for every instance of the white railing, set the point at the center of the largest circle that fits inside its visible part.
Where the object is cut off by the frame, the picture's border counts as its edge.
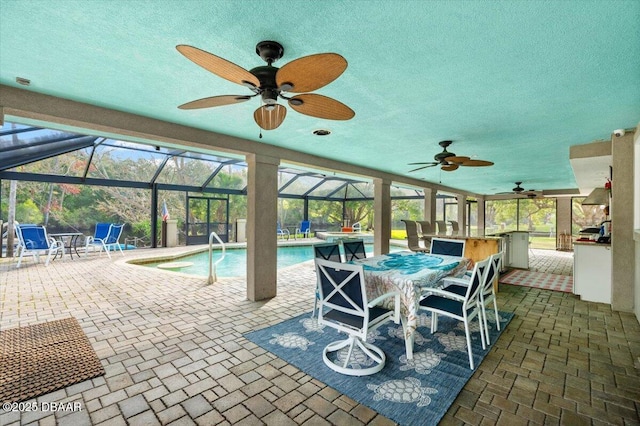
(212, 265)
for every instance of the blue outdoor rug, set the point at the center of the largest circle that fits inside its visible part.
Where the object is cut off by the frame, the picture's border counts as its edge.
(409, 392)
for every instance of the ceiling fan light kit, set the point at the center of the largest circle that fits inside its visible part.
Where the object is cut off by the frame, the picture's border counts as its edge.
(301, 75)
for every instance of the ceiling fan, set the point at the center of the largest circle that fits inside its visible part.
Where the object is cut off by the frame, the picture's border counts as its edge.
(448, 161)
(302, 75)
(518, 190)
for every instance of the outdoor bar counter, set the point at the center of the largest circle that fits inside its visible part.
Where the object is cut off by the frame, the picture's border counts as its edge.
(476, 248)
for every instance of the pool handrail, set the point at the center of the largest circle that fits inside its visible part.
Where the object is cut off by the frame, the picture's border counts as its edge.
(212, 266)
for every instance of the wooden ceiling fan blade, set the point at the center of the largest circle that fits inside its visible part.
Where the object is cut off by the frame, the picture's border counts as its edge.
(321, 106)
(431, 163)
(476, 163)
(449, 167)
(456, 159)
(311, 72)
(215, 101)
(219, 66)
(270, 118)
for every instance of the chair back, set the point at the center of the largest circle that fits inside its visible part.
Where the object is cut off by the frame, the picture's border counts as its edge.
(327, 251)
(114, 234)
(447, 247)
(493, 270)
(442, 227)
(413, 241)
(425, 227)
(101, 231)
(305, 226)
(33, 237)
(454, 227)
(476, 281)
(342, 289)
(354, 250)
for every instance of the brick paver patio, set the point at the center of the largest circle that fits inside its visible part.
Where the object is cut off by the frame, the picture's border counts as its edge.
(173, 352)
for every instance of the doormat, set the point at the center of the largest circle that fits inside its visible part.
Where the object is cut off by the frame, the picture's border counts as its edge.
(540, 280)
(41, 358)
(409, 392)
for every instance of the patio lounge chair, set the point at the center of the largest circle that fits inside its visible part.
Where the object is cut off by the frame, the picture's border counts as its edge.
(34, 240)
(110, 241)
(345, 307)
(413, 241)
(282, 232)
(304, 229)
(99, 235)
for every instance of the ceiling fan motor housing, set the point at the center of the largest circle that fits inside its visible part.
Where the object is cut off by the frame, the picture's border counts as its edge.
(268, 88)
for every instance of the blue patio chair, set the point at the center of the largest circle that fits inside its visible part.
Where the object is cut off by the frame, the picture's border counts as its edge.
(34, 240)
(304, 229)
(97, 240)
(112, 242)
(282, 232)
(108, 242)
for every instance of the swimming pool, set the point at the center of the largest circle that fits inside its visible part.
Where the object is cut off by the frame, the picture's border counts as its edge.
(235, 260)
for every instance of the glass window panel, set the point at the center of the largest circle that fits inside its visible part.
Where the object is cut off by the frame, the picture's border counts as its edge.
(360, 190)
(407, 210)
(284, 177)
(538, 217)
(472, 219)
(325, 215)
(290, 213)
(500, 216)
(450, 211)
(306, 183)
(360, 211)
(181, 170)
(232, 176)
(69, 164)
(116, 160)
(397, 191)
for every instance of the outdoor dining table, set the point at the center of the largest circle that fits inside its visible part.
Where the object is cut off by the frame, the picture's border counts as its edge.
(69, 242)
(411, 274)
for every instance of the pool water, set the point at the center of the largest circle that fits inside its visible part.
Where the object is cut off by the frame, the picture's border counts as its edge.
(235, 260)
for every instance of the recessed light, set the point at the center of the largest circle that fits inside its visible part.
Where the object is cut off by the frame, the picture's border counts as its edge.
(322, 132)
(23, 81)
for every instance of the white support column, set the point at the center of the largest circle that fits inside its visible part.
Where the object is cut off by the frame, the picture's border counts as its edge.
(430, 207)
(563, 218)
(481, 216)
(622, 244)
(381, 216)
(262, 216)
(462, 214)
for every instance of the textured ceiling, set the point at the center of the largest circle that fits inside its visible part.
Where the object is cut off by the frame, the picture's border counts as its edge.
(515, 83)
